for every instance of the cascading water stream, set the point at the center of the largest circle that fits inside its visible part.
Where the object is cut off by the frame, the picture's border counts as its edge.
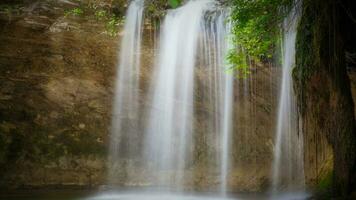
(288, 168)
(126, 108)
(167, 128)
(155, 140)
(225, 89)
(171, 117)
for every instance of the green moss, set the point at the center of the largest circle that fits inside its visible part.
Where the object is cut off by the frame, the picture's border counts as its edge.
(174, 3)
(306, 54)
(74, 12)
(78, 143)
(37, 145)
(323, 88)
(324, 187)
(326, 182)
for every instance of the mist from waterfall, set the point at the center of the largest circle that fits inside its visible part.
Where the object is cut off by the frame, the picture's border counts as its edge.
(126, 97)
(288, 163)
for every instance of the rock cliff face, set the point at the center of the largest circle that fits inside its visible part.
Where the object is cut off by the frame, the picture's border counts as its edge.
(325, 93)
(56, 79)
(57, 75)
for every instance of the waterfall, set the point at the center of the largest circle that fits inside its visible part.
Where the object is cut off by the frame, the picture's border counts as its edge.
(194, 35)
(157, 138)
(170, 126)
(222, 83)
(126, 106)
(288, 167)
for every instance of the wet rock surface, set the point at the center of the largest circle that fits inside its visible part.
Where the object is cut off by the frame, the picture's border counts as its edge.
(57, 76)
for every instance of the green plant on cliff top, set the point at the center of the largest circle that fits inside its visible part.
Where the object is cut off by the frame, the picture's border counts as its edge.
(256, 28)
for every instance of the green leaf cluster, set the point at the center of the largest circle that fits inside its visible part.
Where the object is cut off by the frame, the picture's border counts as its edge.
(74, 12)
(112, 21)
(106, 15)
(101, 14)
(256, 28)
(238, 59)
(112, 25)
(174, 3)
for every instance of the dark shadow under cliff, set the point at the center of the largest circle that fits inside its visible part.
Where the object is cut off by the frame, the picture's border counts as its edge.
(325, 39)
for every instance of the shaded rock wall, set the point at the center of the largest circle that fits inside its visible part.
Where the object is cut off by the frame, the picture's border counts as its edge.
(324, 93)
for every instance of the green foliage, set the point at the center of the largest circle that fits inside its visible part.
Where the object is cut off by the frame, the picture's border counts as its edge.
(111, 20)
(239, 63)
(174, 3)
(101, 14)
(324, 187)
(256, 28)
(74, 12)
(326, 182)
(155, 9)
(112, 26)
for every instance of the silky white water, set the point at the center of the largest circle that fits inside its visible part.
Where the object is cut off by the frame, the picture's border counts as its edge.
(218, 32)
(156, 133)
(215, 46)
(127, 89)
(172, 117)
(288, 167)
(194, 39)
(170, 126)
(159, 141)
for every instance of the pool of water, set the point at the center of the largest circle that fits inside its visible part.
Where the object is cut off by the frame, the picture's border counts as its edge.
(46, 195)
(146, 195)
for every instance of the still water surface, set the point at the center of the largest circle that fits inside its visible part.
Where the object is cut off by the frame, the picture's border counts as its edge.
(139, 195)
